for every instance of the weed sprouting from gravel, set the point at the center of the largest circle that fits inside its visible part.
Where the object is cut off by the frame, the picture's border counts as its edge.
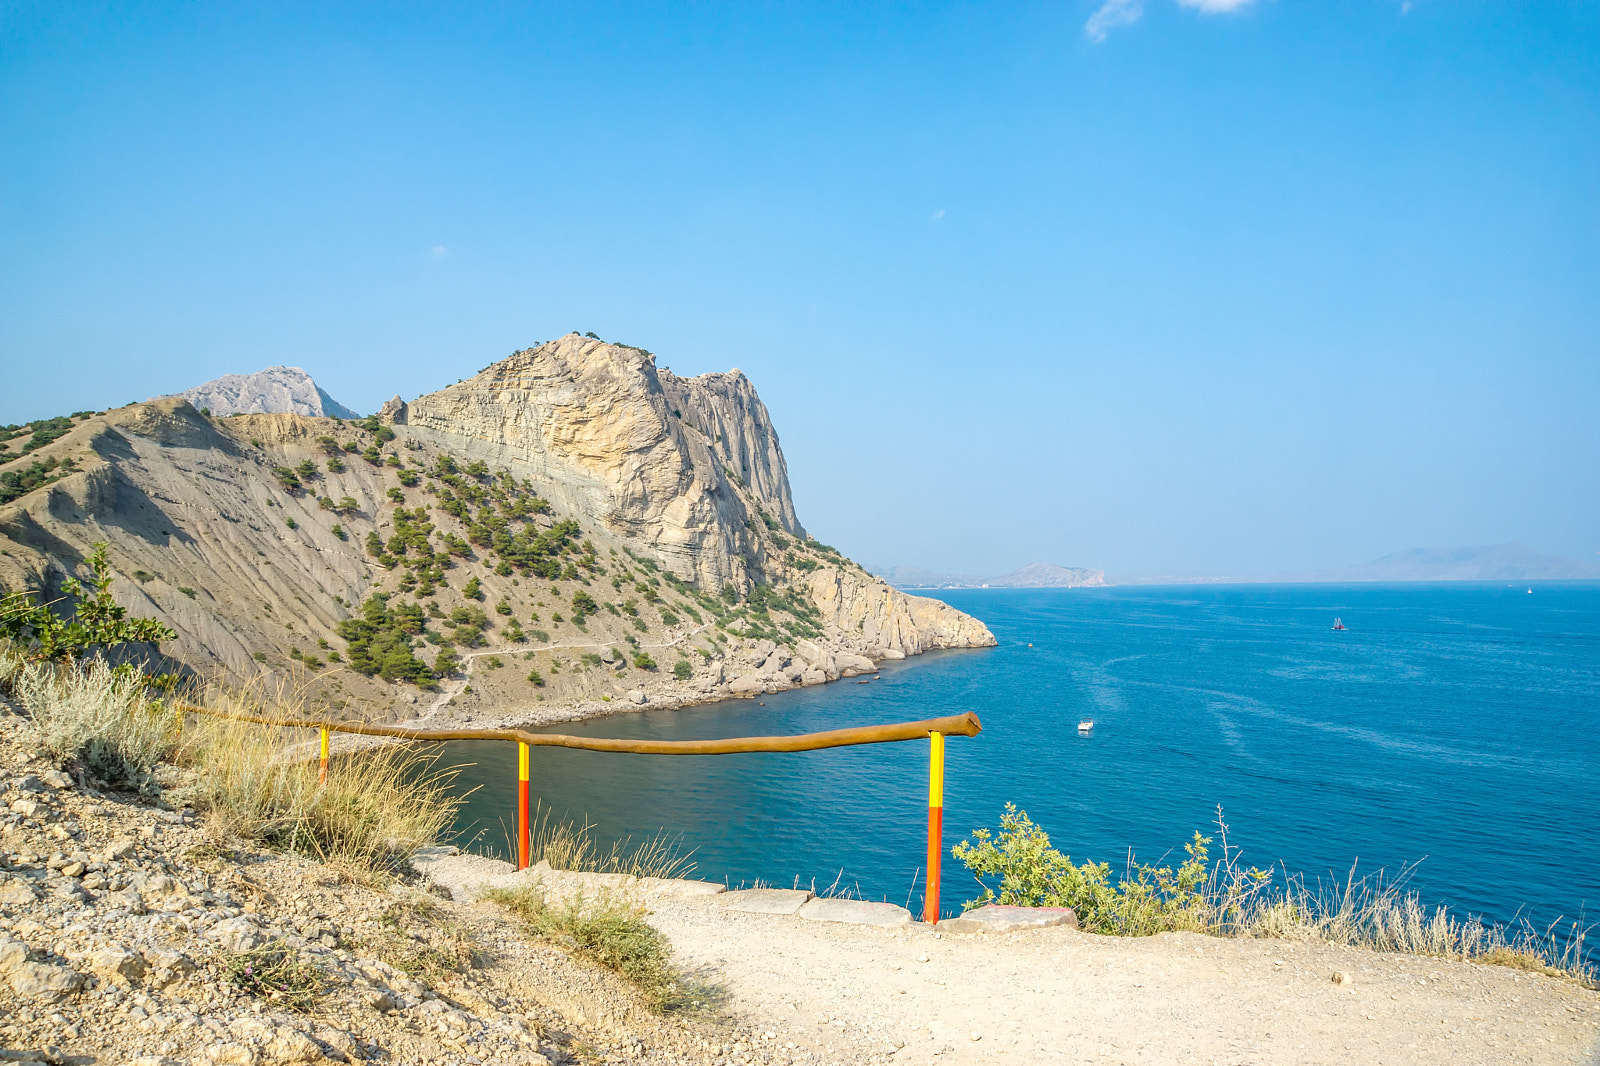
(419, 939)
(276, 973)
(606, 930)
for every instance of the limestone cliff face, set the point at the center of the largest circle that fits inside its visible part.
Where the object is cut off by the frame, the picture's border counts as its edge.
(886, 623)
(687, 469)
(653, 458)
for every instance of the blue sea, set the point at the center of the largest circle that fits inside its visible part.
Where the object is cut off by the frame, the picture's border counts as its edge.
(1455, 726)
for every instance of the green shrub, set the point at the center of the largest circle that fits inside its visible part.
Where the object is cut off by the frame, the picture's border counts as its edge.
(536, 677)
(1146, 900)
(643, 661)
(682, 670)
(90, 623)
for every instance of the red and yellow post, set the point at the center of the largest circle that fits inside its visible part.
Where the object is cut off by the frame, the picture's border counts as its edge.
(930, 903)
(322, 769)
(522, 805)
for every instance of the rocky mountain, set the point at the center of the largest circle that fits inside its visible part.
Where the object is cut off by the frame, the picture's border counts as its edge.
(612, 532)
(1031, 576)
(275, 390)
(1496, 562)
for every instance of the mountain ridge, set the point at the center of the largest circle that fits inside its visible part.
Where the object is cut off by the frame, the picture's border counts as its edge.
(1030, 575)
(273, 390)
(626, 536)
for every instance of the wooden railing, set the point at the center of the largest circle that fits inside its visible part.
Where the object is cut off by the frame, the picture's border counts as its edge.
(935, 729)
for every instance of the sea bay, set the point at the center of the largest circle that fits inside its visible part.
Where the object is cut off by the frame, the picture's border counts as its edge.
(1451, 725)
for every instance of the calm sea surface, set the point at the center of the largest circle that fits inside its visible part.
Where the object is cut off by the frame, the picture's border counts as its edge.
(1456, 725)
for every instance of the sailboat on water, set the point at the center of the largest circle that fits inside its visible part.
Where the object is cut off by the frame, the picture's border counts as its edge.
(1338, 624)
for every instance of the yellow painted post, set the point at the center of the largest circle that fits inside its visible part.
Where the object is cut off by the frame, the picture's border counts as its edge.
(930, 903)
(322, 772)
(522, 806)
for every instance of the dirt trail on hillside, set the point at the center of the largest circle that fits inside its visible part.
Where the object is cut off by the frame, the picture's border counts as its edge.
(854, 994)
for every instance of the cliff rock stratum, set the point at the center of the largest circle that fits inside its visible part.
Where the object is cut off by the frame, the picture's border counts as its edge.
(570, 530)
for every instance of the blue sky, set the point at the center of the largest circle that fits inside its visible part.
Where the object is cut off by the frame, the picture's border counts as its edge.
(1198, 287)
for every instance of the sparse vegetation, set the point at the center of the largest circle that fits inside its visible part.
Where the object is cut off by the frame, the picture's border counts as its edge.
(37, 474)
(1018, 867)
(276, 973)
(605, 930)
(379, 641)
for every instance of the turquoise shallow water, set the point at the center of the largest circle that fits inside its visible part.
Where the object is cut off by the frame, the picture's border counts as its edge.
(1458, 725)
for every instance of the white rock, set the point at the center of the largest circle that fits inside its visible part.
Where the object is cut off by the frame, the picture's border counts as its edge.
(43, 980)
(236, 934)
(117, 963)
(291, 1046)
(13, 953)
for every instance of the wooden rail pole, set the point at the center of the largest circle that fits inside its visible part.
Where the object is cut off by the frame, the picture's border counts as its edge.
(930, 901)
(322, 771)
(522, 805)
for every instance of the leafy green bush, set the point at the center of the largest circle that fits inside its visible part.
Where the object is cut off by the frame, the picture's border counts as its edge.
(1146, 900)
(682, 670)
(90, 624)
(643, 661)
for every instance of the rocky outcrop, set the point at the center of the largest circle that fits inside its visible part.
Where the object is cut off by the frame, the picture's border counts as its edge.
(886, 623)
(275, 390)
(687, 469)
(679, 561)
(680, 467)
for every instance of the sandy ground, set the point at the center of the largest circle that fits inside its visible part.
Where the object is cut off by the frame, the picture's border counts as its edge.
(851, 994)
(826, 992)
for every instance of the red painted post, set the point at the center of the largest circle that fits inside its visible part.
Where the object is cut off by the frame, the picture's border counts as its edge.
(930, 903)
(522, 806)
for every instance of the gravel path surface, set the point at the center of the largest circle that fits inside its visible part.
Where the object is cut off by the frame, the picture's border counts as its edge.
(851, 994)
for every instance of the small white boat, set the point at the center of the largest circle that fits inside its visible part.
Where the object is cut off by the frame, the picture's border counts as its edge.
(1086, 727)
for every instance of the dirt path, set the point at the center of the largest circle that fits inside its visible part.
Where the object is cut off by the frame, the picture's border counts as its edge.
(849, 993)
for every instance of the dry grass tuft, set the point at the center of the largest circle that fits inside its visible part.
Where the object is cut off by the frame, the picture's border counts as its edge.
(609, 931)
(378, 806)
(567, 846)
(420, 939)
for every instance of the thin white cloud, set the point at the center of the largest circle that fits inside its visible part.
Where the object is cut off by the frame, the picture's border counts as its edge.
(438, 251)
(939, 213)
(1112, 15)
(1215, 7)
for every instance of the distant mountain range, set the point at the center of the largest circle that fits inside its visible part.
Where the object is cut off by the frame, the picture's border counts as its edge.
(1032, 576)
(277, 390)
(1496, 562)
